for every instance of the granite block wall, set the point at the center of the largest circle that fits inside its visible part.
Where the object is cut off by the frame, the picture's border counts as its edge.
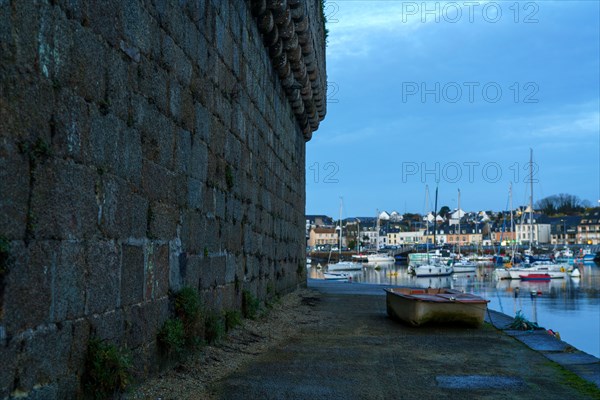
(146, 145)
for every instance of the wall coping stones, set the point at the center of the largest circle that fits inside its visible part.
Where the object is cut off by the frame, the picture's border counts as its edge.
(290, 43)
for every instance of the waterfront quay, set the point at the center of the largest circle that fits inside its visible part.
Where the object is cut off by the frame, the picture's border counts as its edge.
(357, 352)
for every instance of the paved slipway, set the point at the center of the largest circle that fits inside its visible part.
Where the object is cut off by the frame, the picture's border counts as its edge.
(357, 352)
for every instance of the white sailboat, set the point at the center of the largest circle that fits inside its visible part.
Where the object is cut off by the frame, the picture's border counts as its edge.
(503, 272)
(342, 265)
(431, 268)
(461, 265)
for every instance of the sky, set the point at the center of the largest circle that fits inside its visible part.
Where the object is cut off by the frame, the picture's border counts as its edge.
(454, 95)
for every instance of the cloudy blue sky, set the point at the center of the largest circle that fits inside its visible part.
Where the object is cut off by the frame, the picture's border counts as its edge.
(456, 93)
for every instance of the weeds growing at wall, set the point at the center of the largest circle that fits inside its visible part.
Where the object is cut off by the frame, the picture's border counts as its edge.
(232, 318)
(188, 311)
(171, 337)
(250, 305)
(214, 328)
(107, 370)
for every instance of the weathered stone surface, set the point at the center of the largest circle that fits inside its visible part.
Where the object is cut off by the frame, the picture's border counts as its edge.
(132, 274)
(102, 285)
(28, 286)
(145, 146)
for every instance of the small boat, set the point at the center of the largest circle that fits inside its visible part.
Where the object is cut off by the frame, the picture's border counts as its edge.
(502, 273)
(380, 258)
(359, 257)
(337, 276)
(535, 277)
(344, 266)
(417, 306)
(430, 270)
(463, 266)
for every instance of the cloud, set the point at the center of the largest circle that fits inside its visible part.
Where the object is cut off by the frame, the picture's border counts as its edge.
(355, 27)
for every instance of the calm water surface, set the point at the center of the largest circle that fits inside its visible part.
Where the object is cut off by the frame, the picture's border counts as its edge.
(570, 306)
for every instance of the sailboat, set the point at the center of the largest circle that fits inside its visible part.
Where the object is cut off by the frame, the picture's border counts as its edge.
(431, 268)
(461, 265)
(342, 265)
(502, 272)
(537, 270)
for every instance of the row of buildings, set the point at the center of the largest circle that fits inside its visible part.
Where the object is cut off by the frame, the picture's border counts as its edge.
(456, 228)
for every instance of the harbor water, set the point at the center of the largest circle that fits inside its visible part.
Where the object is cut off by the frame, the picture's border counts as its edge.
(568, 306)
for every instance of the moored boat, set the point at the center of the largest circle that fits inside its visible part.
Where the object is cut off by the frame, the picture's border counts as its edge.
(344, 266)
(337, 276)
(380, 258)
(417, 306)
(463, 266)
(430, 270)
(535, 277)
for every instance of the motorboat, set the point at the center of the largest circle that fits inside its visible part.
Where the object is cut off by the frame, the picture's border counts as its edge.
(337, 276)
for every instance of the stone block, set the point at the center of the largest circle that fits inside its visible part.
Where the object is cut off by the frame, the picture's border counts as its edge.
(153, 83)
(199, 160)
(212, 234)
(108, 326)
(158, 134)
(116, 80)
(195, 193)
(132, 274)
(139, 324)
(102, 283)
(87, 63)
(161, 265)
(203, 123)
(183, 152)
(14, 187)
(68, 269)
(187, 112)
(103, 19)
(176, 60)
(71, 126)
(157, 182)
(9, 356)
(28, 290)
(175, 90)
(121, 212)
(80, 333)
(193, 276)
(44, 355)
(163, 219)
(193, 232)
(138, 27)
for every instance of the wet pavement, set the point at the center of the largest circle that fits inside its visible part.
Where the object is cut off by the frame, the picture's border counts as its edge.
(360, 353)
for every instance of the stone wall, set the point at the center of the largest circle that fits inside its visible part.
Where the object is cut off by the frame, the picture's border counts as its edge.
(146, 145)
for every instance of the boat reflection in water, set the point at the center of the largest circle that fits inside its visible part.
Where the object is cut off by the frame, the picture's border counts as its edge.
(570, 306)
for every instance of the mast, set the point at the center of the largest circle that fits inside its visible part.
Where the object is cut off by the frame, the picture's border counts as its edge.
(341, 232)
(435, 215)
(512, 224)
(531, 198)
(459, 222)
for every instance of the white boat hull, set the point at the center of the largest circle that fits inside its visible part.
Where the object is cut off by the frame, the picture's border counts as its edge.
(431, 270)
(502, 273)
(373, 259)
(344, 266)
(515, 273)
(336, 276)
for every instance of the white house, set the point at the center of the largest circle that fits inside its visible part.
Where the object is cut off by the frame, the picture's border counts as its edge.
(455, 216)
(539, 227)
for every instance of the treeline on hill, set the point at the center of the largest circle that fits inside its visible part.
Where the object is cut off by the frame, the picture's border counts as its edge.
(563, 204)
